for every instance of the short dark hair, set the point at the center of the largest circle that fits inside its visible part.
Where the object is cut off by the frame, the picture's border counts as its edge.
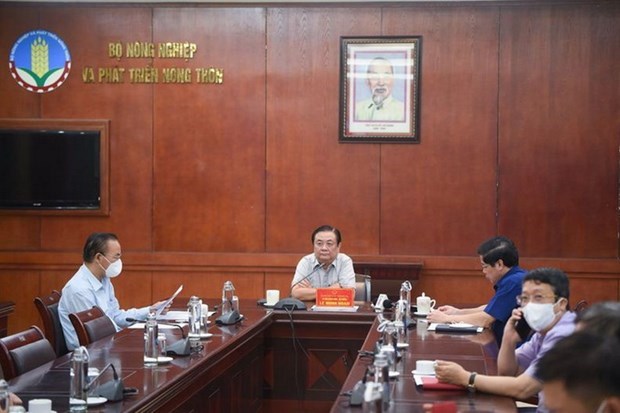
(96, 243)
(329, 228)
(499, 248)
(602, 318)
(587, 364)
(556, 278)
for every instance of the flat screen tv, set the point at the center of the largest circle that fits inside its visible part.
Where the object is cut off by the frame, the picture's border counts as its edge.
(50, 169)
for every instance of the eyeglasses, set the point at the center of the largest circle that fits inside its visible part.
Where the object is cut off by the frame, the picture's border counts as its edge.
(536, 298)
(328, 244)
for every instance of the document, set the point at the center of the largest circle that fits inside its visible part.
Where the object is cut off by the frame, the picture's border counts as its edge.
(168, 301)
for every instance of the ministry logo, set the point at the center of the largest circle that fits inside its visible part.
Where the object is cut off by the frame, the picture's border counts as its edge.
(39, 61)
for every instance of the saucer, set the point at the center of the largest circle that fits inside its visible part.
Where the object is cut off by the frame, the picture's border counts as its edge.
(164, 359)
(96, 401)
(269, 305)
(393, 374)
(416, 373)
(402, 345)
(420, 314)
(201, 335)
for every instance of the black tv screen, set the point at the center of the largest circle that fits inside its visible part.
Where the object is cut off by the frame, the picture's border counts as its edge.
(49, 169)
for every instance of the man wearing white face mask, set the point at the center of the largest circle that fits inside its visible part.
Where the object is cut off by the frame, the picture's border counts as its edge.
(91, 286)
(544, 305)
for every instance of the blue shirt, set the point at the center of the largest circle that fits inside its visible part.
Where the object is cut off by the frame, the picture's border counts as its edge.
(505, 300)
(84, 291)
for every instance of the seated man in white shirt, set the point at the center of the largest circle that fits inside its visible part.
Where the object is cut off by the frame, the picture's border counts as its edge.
(326, 267)
(92, 286)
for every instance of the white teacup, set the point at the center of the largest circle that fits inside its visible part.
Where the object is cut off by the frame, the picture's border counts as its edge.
(40, 406)
(425, 366)
(424, 304)
(272, 296)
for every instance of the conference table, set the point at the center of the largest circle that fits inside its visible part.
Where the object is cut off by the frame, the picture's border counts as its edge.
(274, 360)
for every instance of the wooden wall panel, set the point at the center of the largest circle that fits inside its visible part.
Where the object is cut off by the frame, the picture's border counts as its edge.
(210, 139)
(15, 102)
(312, 179)
(127, 106)
(20, 287)
(558, 130)
(438, 197)
(216, 182)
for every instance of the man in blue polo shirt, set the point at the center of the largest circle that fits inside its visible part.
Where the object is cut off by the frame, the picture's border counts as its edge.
(500, 265)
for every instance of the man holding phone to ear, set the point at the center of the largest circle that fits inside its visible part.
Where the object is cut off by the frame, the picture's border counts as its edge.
(544, 305)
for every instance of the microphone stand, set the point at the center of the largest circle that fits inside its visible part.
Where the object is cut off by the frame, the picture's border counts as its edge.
(113, 391)
(291, 303)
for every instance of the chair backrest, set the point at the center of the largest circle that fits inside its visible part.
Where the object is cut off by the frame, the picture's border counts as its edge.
(48, 310)
(91, 325)
(362, 288)
(24, 351)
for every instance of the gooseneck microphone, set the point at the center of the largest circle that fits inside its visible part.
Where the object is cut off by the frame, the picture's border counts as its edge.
(291, 303)
(113, 390)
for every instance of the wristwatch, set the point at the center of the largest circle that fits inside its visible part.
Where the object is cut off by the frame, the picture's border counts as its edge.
(471, 387)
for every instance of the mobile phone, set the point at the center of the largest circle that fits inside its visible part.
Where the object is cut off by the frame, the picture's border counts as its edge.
(523, 329)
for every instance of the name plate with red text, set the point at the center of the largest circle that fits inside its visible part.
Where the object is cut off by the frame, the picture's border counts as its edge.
(335, 297)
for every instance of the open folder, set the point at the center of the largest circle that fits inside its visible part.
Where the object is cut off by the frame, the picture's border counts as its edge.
(161, 308)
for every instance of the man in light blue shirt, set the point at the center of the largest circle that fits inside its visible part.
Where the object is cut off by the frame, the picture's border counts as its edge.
(325, 268)
(92, 286)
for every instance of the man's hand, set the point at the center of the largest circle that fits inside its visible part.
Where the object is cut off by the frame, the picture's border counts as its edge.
(437, 316)
(304, 284)
(158, 304)
(510, 333)
(448, 309)
(449, 372)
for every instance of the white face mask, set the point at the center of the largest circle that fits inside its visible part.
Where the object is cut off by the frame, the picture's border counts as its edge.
(539, 316)
(114, 269)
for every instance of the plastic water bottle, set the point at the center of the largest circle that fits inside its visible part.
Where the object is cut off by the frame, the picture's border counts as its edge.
(228, 292)
(376, 396)
(4, 396)
(151, 351)
(78, 396)
(400, 322)
(195, 315)
(405, 295)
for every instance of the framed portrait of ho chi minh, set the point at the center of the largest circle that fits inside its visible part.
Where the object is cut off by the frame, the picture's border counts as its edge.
(380, 89)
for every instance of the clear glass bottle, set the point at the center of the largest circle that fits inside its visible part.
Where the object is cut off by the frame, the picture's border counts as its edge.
(228, 292)
(78, 395)
(405, 295)
(194, 308)
(151, 351)
(376, 395)
(400, 323)
(4, 396)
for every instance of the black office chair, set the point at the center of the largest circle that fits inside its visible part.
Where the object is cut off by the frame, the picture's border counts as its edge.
(91, 325)
(362, 288)
(48, 310)
(24, 351)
